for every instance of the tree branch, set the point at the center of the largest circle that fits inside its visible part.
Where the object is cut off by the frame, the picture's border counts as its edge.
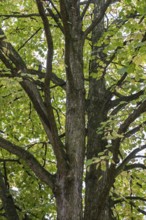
(45, 114)
(134, 130)
(126, 98)
(118, 108)
(120, 81)
(9, 160)
(49, 53)
(29, 39)
(123, 128)
(31, 161)
(58, 13)
(138, 209)
(57, 144)
(54, 78)
(131, 202)
(121, 167)
(86, 8)
(97, 20)
(7, 63)
(7, 51)
(7, 200)
(55, 17)
(65, 18)
(58, 81)
(140, 156)
(17, 15)
(135, 114)
(134, 166)
(129, 198)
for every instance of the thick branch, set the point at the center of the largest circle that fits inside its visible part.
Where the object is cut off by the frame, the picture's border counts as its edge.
(65, 17)
(136, 113)
(118, 108)
(58, 146)
(134, 130)
(48, 122)
(46, 27)
(134, 166)
(46, 115)
(31, 161)
(54, 78)
(58, 81)
(121, 167)
(21, 15)
(9, 160)
(7, 63)
(49, 53)
(127, 98)
(97, 20)
(129, 198)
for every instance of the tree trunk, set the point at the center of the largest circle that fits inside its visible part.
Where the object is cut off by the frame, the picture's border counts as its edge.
(98, 182)
(69, 185)
(68, 200)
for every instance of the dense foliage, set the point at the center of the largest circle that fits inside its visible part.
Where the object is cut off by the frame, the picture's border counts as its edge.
(34, 81)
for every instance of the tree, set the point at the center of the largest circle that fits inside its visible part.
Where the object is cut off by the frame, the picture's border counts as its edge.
(73, 109)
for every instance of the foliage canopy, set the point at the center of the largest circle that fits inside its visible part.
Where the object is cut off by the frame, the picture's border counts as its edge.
(72, 94)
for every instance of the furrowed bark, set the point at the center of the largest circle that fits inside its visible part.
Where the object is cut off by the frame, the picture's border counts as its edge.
(98, 182)
(69, 198)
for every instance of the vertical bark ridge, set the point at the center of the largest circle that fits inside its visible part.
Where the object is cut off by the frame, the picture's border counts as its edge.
(69, 201)
(98, 182)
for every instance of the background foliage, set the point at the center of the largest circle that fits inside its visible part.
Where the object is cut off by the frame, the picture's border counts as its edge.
(123, 47)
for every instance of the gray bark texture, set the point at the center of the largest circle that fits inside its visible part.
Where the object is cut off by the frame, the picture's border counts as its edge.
(98, 183)
(69, 198)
